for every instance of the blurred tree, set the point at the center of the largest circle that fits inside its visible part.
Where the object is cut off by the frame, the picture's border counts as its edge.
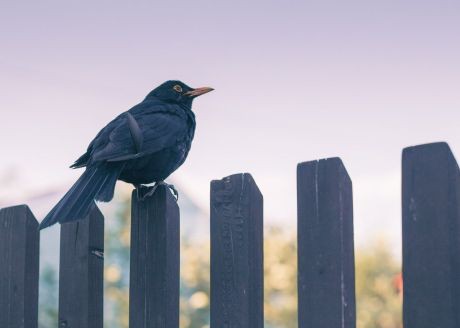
(116, 267)
(48, 314)
(378, 289)
(377, 286)
(280, 278)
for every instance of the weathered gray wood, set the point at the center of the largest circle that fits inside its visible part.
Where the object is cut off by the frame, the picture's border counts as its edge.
(81, 272)
(154, 273)
(19, 263)
(431, 237)
(236, 253)
(326, 285)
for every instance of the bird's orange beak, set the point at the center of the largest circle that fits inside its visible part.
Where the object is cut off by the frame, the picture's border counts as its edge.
(198, 92)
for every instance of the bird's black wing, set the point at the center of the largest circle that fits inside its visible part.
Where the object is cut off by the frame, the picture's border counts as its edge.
(140, 133)
(136, 132)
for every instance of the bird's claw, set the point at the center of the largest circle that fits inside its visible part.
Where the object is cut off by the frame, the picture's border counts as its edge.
(174, 191)
(152, 190)
(171, 188)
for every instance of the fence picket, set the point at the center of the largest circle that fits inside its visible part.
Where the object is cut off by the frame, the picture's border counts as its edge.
(431, 237)
(154, 275)
(19, 262)
(236, 253)
(326, 285)
(81, 272)
(326, 282)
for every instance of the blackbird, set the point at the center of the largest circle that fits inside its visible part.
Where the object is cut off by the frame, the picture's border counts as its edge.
(140, 146)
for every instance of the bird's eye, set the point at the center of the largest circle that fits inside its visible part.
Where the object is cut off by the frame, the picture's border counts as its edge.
(177, 88)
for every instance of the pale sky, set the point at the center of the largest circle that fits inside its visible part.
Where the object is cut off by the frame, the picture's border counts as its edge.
(294, 80)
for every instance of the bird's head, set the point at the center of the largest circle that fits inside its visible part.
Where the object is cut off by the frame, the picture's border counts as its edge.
(177, 92)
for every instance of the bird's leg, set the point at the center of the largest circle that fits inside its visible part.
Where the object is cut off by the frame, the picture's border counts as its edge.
(161, 183)
(138, 190)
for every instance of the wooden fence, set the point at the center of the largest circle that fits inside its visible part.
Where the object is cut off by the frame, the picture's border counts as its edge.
(431, 252)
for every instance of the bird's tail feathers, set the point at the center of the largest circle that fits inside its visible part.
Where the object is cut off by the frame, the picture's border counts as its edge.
(96, 183)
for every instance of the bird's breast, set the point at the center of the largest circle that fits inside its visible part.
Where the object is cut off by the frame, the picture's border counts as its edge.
(157, 166)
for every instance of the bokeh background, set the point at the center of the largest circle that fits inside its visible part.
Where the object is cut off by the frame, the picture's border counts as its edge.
(294, 80)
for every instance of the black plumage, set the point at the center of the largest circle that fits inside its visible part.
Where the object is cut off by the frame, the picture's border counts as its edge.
(141, 146)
